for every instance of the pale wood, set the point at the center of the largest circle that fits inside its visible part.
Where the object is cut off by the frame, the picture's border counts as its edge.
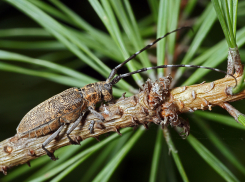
(126, 112)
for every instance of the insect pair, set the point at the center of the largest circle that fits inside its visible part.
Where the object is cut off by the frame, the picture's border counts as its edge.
(71, 105)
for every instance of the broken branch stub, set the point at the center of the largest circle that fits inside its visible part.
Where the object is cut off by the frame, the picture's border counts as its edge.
(234, 62)
(156, 103)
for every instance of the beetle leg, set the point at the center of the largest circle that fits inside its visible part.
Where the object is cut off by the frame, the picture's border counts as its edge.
(71, 129)
(94, 112)
(91, 126)
(49, 139)
(98, 115)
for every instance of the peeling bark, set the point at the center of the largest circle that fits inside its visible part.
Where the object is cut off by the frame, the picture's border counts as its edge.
(154, 104)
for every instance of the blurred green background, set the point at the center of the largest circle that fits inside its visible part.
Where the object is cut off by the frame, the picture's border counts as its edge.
(19, 33)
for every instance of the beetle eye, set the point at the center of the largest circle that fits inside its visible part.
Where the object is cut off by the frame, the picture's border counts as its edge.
(108, 87)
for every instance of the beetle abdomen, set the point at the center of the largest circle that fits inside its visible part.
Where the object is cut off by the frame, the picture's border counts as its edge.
(48, 115)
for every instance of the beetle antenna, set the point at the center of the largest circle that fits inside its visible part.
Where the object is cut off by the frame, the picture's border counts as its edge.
(114, 71)
(119, 77)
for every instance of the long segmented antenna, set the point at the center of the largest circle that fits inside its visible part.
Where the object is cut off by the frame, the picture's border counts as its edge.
(114, 71)
(112, 81)
(119, 77)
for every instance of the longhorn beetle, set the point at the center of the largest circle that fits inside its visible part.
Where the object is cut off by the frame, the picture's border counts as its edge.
(70, 105)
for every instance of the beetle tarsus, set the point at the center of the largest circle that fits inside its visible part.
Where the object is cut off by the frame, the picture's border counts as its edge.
(50, 154)
(73, 142)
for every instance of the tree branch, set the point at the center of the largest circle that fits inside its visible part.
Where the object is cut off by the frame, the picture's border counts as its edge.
(234, 61)
(155, 103)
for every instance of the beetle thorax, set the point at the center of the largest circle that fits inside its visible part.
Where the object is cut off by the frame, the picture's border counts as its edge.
(96, 92)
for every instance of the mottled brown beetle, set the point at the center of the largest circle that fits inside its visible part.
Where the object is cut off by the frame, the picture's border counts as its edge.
(70, 105)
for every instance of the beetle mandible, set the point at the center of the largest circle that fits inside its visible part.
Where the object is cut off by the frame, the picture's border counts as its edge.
(70, 105)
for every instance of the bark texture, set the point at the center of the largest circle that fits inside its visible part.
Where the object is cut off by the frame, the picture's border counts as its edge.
(155, 103)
